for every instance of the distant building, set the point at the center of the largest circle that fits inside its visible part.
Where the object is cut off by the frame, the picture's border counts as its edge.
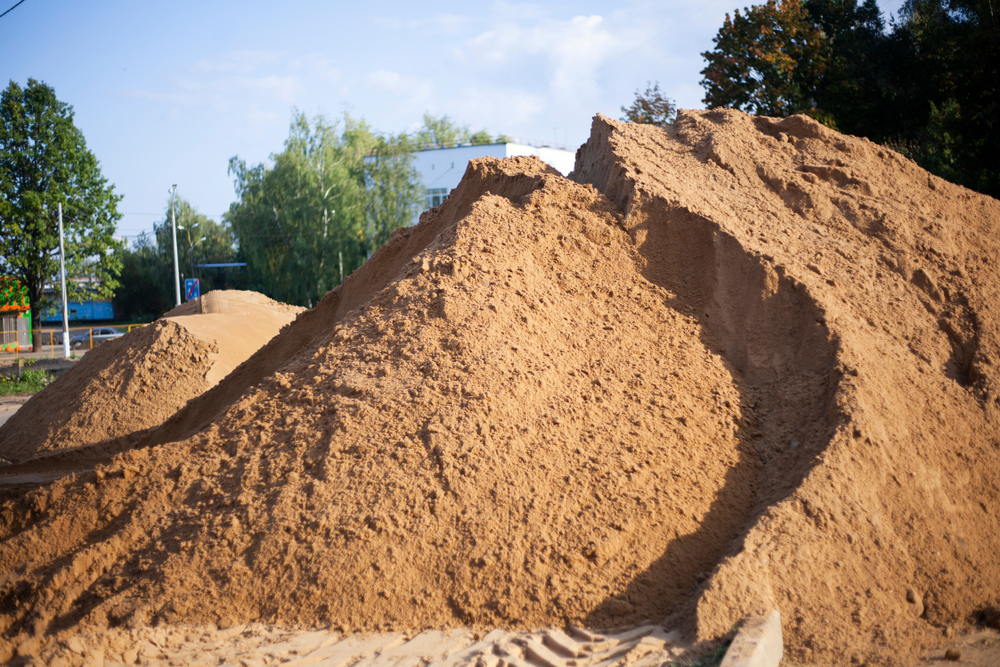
(442, 168)
(91, 310)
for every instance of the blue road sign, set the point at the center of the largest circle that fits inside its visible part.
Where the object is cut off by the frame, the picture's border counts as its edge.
(191, 288)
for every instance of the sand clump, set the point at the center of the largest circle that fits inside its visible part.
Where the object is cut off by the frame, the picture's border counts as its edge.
(137, 381)
(736, 365)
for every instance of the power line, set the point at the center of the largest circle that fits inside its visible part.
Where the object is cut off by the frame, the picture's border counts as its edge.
(10, 10)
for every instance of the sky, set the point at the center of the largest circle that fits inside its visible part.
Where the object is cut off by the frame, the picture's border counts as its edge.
(167, 93)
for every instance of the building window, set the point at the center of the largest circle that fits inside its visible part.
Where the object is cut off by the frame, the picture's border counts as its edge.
(436, 197)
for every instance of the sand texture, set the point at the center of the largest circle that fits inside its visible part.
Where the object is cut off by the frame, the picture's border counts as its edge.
(735, 365)
(136, 382)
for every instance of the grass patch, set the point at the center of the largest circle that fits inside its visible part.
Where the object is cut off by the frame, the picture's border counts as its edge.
(29, 381)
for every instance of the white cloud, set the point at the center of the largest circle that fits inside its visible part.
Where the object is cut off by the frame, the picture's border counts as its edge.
(413, 90)
(573, 50)
(447, 24)
(498, 110)
(316, 65)
(259, 86)
(518, 10)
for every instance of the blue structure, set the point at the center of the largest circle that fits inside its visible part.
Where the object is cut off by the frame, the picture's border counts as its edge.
(85, 311)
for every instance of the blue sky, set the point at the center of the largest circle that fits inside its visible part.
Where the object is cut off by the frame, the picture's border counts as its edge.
(168, 92)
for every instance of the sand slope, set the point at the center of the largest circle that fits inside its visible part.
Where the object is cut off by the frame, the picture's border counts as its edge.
(856, 294)
(137, 381)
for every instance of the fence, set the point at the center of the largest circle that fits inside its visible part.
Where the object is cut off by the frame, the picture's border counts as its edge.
(80, 338)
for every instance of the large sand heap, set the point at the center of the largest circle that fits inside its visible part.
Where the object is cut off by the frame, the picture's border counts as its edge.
(756, 367)
(136, 382)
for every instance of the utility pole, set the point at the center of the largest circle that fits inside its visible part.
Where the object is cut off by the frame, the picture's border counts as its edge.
(62, 282)
(173, 226)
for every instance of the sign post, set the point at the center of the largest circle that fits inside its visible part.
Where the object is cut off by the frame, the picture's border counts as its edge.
(191, 288)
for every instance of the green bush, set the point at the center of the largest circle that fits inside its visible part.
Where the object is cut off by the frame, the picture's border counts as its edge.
(30, 381)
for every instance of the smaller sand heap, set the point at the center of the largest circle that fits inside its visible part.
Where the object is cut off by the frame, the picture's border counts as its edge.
(139, 380)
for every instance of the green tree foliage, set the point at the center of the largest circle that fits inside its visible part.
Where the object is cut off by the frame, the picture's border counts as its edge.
(442, 131)
(392, 188)
(147, 287)
(320, 208)
(480, 138)
(44, 161)
(200, 240)
(147, 277)
(651, 107)
(928, 86)
(766, 61)
(952, 75)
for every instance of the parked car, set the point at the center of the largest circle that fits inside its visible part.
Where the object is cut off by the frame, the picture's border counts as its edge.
(100, 334)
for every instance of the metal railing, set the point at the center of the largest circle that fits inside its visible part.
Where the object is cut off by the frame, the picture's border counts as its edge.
(79, 338)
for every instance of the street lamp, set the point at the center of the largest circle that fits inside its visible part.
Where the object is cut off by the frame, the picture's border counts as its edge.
(173, 227)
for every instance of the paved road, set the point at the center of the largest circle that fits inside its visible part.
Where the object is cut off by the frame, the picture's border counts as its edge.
(9, 405)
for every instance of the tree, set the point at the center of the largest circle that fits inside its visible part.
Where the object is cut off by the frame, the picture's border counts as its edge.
(321, 206)
(392, 188)
(929, 87)
(438, 132)
(651, 107)
(200, 240)
(147, 277)
(480, 138)
(147, 287)
(44, 161)
(953, 67)
(767, 61)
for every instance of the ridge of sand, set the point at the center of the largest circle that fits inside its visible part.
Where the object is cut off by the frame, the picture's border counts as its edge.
(856, 294)
(752, 364)
(138, 381)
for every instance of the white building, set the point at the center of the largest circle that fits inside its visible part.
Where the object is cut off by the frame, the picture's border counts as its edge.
(442, 168)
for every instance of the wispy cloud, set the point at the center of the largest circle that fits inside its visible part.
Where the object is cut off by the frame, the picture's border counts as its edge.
(260, 86)
(572, 50)
(496, 108)
(413, 91)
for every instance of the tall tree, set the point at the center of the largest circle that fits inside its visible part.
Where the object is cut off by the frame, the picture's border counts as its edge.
(392, 188)
(44, 161)
(147, 288)
(651, 107)
(321, 206)
(767, 61)
(953, 49)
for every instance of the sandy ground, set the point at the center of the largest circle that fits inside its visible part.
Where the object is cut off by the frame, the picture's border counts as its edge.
(254, 644)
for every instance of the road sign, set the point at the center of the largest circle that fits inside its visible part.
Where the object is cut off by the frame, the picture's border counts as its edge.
(191, 288)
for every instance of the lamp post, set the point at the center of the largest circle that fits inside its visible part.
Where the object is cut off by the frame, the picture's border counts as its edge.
(173, 227)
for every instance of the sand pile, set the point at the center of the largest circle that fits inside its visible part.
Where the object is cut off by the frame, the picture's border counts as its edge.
(137, 381)
(857, 296)
(755, 367)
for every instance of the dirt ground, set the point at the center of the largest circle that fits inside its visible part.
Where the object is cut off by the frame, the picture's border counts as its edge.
(735, 365)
